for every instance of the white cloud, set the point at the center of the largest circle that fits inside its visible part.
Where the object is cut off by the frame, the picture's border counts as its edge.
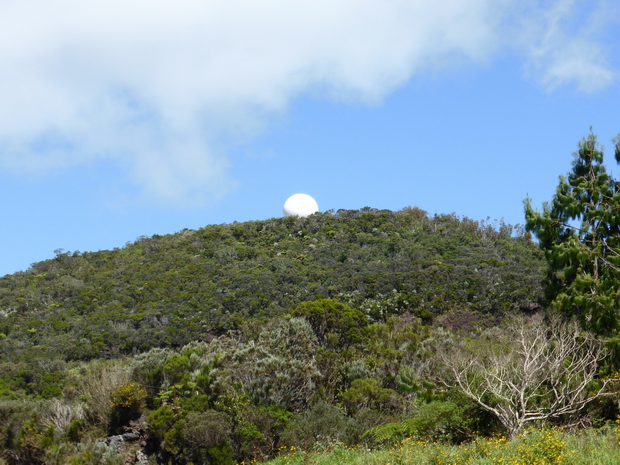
(153, 85)
(563, 45)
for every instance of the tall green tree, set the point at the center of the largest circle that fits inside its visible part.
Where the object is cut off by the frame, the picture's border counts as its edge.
(579, 231)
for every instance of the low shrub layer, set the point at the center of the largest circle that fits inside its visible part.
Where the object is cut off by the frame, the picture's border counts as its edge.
(541, 447)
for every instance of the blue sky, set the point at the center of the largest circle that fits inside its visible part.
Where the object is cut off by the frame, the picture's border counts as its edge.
(121, 119)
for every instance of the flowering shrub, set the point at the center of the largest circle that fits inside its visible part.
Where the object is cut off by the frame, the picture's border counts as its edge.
(126, 406)
(128, 396)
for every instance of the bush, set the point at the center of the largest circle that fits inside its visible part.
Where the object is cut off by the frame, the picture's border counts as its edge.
(453, 421)
(207, 437)
(368, 393)
(64, 414)
(323, 425)
(201, 437)
(335, 324)
(95, 453)
(96, 383)
(127, 402)
(128, 396)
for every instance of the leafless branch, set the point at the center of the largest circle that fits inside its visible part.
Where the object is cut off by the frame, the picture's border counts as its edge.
(534, 371)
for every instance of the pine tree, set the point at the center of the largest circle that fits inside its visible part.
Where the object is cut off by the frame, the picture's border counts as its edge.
(579, 232)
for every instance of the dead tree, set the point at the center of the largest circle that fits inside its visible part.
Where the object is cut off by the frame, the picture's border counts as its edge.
(531, 371)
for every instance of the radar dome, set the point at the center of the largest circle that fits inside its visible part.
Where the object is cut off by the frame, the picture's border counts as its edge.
(300, 205)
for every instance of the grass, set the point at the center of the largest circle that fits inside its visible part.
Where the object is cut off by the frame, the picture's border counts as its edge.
(535, 447)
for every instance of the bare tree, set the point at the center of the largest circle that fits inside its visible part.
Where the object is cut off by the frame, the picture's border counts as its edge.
(531, 371)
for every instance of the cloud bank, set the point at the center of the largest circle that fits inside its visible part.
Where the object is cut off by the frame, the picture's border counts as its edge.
(155, 87)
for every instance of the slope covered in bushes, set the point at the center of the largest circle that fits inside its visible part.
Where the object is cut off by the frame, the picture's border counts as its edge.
(229, 342)
(166, 291)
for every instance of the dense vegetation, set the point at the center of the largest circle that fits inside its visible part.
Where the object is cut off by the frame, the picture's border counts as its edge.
(229, 342)
(166, 291)
(548, 447)
(579, 230)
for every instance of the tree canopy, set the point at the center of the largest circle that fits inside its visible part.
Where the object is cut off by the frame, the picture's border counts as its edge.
(579, 231)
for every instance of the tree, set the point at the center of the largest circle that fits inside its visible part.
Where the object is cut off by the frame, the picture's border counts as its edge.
(531, 371)
(334, 323)
(579, 232)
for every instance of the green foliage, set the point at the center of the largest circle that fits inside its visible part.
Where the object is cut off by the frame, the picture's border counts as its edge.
(127, 401)
(397, 353)
(548, 447)
(335, 324)
(278, 369)
(19, 428)
(451, 421)
(579, 232)
(206, 435)
(256, 428)
(175, 368)
(74, 430)
(255, 334)
(165, 291)
(323, 424)
(161, 421)
(368, 393)
(95, 453)
(128, 396)
(146, 369)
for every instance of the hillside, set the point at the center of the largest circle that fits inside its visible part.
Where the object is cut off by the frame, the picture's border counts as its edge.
(225, 344)
(165, 291)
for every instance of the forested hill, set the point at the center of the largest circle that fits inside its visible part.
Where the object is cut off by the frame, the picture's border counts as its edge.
(169, 290)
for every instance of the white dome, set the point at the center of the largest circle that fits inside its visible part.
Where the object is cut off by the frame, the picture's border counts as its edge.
(300, 205)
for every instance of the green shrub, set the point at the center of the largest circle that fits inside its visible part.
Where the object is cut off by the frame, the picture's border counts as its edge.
(323, 425)
(368, 393)
(335, 324)
(95, 453)
(200, 437)
(543, 447)
(176, 369)
(206, 437)
(436, 421)
(74, 431)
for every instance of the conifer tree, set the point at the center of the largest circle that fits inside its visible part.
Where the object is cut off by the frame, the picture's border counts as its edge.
(579, 232)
